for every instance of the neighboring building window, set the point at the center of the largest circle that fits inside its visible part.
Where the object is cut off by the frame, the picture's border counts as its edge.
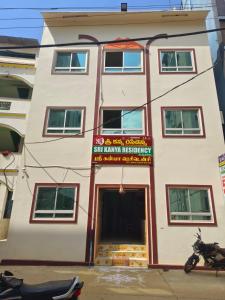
(177, 61)
(118, 121)
(192, 204)
(123, 61)
(55, 202)
(8, 205)
(23, 93)
(179, 121)
(74, 62)
(63, 121)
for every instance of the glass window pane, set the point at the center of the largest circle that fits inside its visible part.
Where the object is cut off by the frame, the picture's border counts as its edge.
(45, 198)
(56, 118)
(114, 59)
(65, 199)
(112, 119)
(190, 119)
(183, 69)
(113, 69)
(44, 215)
(63, 59)
(184, 59)
(173, 131)
(72, 131)
(168, 59)
(63, 215)
(134, 132)
(78, 59)
(54, 131)
(132, 69)
(173, 119)
(132, 119)
(192, 132)
(180, 217)
(179, 200)
(73, 118)
(202, 218)
(112, 131)
(199, 201)
(132, 59)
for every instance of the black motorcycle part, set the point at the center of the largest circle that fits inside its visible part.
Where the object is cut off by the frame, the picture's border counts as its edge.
(45, 290)
(191, 263)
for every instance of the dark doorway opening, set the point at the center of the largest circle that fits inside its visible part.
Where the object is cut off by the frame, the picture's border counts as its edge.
(122, 216)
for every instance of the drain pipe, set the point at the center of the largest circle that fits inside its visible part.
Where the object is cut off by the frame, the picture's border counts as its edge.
(152, 229)
(90, 232)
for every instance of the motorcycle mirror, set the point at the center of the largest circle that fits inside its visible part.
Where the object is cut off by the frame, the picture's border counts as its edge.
(199, 229)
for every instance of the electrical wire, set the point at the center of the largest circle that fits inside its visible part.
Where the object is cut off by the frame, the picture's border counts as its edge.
(51, 177)
(73, 17)
(59, 167)
(155, 37)
(83, 25)
(130, 6)
(130, 111)
(5, 175)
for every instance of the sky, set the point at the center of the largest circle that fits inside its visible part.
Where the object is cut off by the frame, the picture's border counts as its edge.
(28, 23)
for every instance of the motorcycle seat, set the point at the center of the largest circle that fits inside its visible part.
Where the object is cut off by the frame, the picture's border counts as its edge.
(222, 251)
(47, 289)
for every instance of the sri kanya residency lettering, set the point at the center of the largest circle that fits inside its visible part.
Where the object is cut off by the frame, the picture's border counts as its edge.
(122, 150)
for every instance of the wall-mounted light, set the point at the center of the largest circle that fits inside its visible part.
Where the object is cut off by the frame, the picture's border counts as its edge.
(124, 6)
(121, 189)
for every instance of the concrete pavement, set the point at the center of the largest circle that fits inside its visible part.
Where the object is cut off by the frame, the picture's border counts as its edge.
(116, 283)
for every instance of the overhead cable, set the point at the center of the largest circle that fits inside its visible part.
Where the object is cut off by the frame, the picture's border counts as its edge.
(156, 37)
(130, 111)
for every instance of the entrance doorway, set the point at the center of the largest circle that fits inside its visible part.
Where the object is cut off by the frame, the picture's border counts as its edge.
(121, 216)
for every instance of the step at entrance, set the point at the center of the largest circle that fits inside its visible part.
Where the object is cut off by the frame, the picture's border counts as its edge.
(121, 255)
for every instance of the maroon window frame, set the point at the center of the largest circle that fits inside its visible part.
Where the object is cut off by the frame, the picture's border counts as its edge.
(45, 134)
(201, 122)
(55, 220)
(145, 119)
(56, 52)
(123, 50)
(186, 222)
(195, 71)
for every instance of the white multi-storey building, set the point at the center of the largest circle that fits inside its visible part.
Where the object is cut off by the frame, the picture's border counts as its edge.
(116, 202)
(17, 70)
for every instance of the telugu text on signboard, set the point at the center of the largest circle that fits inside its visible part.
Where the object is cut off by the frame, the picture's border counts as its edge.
(110, 149)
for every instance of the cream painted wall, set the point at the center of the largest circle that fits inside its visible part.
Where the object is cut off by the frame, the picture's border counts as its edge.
(177, 161)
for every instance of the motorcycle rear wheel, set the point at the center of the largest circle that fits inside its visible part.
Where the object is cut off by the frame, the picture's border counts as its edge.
(190, 264)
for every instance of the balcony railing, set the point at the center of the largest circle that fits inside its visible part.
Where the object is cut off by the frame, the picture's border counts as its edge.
(14, 105)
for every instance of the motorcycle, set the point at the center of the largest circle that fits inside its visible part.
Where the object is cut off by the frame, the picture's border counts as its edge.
(14, 288)
(213, 255)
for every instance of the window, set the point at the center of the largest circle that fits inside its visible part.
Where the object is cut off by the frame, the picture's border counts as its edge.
(8, 205)
(185, 121)
(123, 61)
(189, 204)
(117, 121)
(177, 61)
(64, 121)
(55, 202)
(23, 92)
(74, 62)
